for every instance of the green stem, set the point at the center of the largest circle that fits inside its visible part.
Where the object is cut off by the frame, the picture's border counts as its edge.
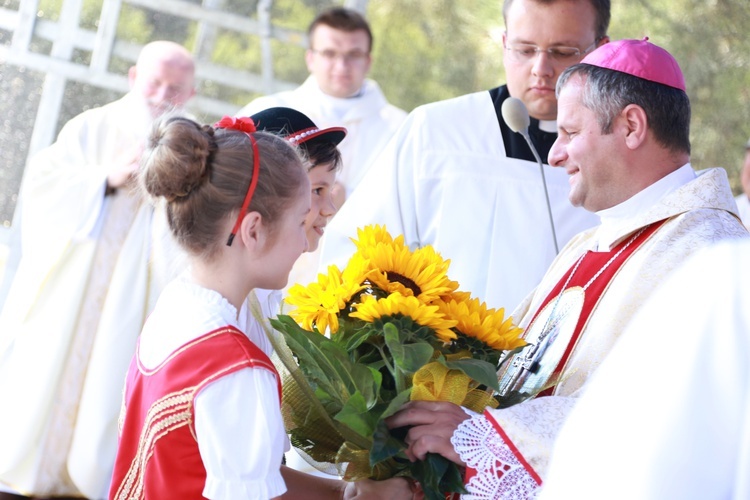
(390, 367)
(400, 381)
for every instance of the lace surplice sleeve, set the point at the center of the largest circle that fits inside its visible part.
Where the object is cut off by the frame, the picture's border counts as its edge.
(507, 451)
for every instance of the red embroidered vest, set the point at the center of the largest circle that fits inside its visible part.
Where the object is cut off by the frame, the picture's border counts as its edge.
(158, 454)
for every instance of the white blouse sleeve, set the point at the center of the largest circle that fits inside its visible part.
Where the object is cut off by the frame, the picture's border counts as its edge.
(241, 436)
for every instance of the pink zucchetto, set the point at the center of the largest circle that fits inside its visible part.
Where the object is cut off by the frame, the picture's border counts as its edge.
(639, 58)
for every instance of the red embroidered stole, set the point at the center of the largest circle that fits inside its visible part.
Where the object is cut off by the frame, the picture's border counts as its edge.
(592, 263)
(561, 318)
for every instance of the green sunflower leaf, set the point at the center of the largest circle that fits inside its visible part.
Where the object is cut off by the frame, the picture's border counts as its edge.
(438, 476)
(384, 444)
(356, 416)
(481, 371)
(407, 357)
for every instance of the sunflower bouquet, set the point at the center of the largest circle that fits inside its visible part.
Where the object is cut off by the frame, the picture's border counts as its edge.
(359, 343)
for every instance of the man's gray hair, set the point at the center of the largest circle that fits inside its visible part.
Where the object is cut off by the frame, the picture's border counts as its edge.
(607, 92)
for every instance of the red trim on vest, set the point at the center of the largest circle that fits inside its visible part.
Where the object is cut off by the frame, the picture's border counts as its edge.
(158, 454)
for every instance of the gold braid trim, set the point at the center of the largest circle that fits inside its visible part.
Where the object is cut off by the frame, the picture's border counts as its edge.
(168, 413)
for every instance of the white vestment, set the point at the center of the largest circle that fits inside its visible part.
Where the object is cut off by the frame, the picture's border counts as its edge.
(369, 120)
(698, 212)
(445, 180)
(668, 413)
(743, 209)
(77, 304)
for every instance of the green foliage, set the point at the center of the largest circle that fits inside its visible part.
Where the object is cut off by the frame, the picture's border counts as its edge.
(385, 444)
(296, 15)
(48, 9)
(237, 52)
(437, 474)
(355, 414)
(408, 358)
(91, 12)
(428, 50)
(134, 27)
(481, 371)
(709, 40)
(362, 375)
(289, 62)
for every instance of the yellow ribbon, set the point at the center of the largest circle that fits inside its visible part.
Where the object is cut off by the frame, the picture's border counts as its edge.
(435, 382)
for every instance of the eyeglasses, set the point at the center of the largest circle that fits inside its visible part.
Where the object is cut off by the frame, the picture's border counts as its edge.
(354, 57)
(525, 52)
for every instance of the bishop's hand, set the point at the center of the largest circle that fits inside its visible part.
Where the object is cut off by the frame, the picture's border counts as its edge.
(431, 426)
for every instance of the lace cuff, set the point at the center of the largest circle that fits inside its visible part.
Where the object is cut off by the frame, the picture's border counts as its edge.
(501, 471)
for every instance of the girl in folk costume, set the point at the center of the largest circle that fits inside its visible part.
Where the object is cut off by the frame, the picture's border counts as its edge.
(201, 414)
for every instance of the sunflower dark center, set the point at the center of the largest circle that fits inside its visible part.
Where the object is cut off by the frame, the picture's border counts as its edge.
(399, 278)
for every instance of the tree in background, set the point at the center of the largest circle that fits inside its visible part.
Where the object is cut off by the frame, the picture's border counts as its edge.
(429, 50)
(709, 40)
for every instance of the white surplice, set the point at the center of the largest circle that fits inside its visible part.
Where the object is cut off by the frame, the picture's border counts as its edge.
(445, 180)
(76, 306)
(699, 211)
(668, 413)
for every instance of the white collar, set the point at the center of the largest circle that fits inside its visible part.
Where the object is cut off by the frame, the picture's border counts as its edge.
(641, 201)
(548, 126)
(366, 102)
(184, 312)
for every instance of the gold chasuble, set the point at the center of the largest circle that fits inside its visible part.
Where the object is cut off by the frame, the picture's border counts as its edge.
(56, 444)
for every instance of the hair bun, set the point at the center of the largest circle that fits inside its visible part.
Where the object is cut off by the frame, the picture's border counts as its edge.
(177, 158)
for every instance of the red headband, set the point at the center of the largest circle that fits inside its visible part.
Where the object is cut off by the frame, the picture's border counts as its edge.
(247, 126)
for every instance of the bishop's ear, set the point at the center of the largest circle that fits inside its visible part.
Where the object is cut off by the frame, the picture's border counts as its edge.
(636, 123)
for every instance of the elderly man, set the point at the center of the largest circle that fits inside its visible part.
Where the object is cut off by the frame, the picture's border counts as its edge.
(623, 124)
(83, 288)
(456, 176)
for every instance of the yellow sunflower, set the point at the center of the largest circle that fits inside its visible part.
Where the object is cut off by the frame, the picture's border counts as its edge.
(371, 309)
(370, 236)
(458, 296)
(476, 320)
(319, 303)
(357, 270)
(393, 267)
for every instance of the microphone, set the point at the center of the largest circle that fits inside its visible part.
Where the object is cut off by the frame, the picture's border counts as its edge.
(516, 116)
